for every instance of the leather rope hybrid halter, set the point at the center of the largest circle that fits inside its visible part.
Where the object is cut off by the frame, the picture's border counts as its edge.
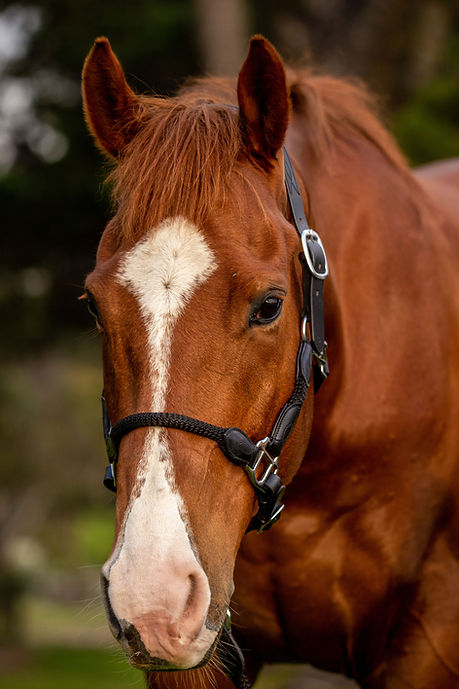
(259, 459)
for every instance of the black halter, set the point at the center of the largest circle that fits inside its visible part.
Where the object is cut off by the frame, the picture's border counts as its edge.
(259, 459)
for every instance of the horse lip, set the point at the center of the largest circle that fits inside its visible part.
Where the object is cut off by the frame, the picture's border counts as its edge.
(142, 660)
(138, 655)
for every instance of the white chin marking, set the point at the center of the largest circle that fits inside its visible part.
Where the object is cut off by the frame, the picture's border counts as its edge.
(162, 271)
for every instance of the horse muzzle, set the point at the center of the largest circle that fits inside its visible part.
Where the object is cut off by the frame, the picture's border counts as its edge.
(162, 627)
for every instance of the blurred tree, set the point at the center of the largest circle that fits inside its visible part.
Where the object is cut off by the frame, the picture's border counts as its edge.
(223, 32)
(51, 193)
(53, 207)
(394, 45)
(51, 468)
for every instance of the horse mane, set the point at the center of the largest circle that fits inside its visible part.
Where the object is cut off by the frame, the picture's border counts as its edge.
(340, 109)
(181, 160)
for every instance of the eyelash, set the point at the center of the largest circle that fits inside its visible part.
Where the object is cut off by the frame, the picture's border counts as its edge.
(93, 310)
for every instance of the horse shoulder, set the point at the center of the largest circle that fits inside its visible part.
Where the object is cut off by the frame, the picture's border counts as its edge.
(445, 171)
(441, 182)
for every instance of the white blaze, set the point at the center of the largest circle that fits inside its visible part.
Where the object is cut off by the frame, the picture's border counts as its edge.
(162, 271)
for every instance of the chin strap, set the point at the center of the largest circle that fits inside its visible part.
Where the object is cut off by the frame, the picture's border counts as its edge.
(231, 657)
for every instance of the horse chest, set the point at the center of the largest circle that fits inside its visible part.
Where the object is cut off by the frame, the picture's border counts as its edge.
(307, 592)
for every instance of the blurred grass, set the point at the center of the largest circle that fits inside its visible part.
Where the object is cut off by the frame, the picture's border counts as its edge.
(72, 668)
(426, 126)
(69, 645)
(48, 622)
(55, 667)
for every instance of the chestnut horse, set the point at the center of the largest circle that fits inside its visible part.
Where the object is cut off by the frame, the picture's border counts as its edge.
(197, 293)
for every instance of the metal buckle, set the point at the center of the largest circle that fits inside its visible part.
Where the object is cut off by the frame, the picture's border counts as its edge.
(274, 517)
(304, 329)
(312, 236)
(322, 361)
(227, 622)
(271, 468)
(110, 478)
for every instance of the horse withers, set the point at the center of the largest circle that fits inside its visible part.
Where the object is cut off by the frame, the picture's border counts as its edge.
(199, 295)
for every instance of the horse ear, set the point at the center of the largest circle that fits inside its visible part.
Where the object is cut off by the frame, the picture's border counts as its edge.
(264, 103)
(113, 112)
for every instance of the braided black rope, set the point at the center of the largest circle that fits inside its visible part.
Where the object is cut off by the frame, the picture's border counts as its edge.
(179, 421)
(289, 413)
(244, 682)
(228, 439)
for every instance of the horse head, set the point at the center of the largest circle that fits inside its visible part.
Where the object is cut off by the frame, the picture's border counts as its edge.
(197, 293)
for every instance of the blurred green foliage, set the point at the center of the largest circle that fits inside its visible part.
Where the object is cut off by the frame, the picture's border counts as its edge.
(93, 535)
(54, 212)
(73, 668)
(427, 125)
(54, 513)
(54, 204)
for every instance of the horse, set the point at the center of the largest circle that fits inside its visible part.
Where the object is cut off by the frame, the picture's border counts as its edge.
(199, 295)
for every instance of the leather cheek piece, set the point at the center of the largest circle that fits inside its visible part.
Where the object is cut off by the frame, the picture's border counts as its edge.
(238, 446)
(304, 361)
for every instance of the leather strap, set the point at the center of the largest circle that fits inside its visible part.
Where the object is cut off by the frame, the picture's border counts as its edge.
(313, 282)
(294, 195)
(289, 413)
(232, 659)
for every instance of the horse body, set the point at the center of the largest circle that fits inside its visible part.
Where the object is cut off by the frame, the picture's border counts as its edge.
(359, 575)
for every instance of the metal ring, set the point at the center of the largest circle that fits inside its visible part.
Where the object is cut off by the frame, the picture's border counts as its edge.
(311, 235)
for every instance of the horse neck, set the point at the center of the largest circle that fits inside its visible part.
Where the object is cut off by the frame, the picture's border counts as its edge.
(376, 227)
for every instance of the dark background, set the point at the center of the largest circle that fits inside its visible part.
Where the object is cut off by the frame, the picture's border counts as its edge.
(51, 196)
(54, 515)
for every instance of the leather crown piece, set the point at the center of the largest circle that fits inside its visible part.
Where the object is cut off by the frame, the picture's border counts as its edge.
(259, 459)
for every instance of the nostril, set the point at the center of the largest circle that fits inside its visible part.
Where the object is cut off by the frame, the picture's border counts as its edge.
(195, 608)
(191, 593)
(112, 618)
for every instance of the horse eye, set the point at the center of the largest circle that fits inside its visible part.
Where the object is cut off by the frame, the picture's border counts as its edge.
(93, 310)
(268, 311)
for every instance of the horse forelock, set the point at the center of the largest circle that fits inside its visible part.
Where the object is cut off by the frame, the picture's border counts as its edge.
(178, 164)
(182, 159)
